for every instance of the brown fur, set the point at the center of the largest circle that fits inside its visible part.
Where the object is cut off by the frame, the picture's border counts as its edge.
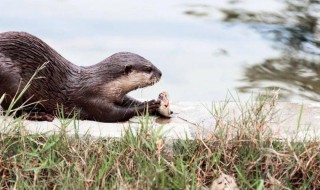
(97, 92)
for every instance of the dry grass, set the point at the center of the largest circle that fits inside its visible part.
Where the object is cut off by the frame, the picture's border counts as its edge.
(144, 159)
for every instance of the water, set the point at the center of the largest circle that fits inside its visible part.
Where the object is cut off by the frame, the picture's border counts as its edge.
(203, 48)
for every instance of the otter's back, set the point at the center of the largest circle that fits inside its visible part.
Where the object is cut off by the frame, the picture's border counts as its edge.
(21, 54)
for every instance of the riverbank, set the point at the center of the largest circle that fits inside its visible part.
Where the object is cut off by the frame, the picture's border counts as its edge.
(261, 143)
(195, 119)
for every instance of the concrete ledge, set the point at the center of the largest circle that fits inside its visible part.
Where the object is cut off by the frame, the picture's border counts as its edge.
(193, 120)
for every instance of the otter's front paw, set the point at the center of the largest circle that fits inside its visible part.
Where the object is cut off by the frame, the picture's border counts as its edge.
(151, 107)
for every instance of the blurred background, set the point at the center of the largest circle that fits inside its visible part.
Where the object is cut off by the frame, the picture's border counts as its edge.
(203, 48)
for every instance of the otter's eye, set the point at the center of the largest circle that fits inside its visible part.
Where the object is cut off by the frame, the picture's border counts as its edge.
(149, 69)
(128, 68)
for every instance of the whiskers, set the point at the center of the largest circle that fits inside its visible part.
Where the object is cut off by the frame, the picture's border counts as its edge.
(154, 80)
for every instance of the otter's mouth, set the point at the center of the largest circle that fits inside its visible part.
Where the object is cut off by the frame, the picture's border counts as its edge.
(154, 81)
(151, 82)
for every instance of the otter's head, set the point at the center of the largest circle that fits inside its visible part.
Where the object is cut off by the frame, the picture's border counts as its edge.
(130, 71)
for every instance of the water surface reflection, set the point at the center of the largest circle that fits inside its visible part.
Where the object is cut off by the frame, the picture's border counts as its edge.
(295, 33)
(204, 49)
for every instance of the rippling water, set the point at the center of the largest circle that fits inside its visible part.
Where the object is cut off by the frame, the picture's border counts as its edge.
(204, 48)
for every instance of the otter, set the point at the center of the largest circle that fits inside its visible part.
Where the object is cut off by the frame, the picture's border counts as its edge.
(97, 92)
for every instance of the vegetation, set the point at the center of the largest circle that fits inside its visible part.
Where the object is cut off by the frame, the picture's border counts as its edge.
(145, 159)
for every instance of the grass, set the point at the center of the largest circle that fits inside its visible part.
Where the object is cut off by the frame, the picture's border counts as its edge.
(242, 146)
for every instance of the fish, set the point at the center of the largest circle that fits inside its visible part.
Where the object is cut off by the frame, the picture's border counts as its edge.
(164, 109)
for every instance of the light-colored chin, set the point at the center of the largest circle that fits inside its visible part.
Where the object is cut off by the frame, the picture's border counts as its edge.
(127, 83)
(137, 80)
(138, 85)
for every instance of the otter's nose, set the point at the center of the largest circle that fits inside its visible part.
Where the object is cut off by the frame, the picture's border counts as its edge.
(160, 74)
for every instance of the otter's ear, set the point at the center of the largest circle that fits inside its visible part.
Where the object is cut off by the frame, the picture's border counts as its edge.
(127, 68)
